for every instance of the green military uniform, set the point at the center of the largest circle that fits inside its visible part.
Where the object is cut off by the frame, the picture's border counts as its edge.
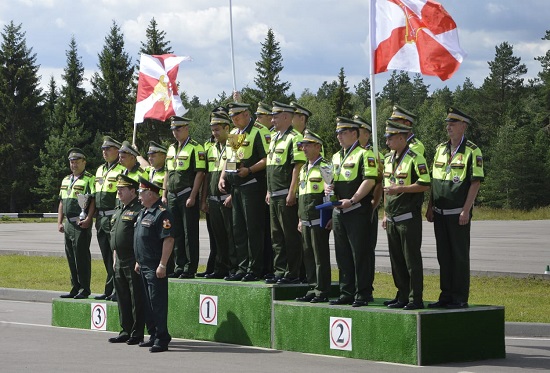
(211, 262)
(128, 285)
(404, 219)
(414, 143)
(106, 202)
(182, 164)
(350, 226)
(315, 238)
(453, 173)
(153, 225)
(77, 239)
(248, 196)
(285, 238)
(137, 171)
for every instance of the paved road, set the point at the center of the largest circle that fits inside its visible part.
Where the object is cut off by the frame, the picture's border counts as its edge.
(29, 343)
(521, 247)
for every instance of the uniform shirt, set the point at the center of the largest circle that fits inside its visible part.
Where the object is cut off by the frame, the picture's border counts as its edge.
(135, 172)
(311, 189)
(71, 187)
(416, 145)
(351, 168)
(156, 175)
(105, 185)
(122, 230)
(452, 177)
(182, 164)
(153, 225)
(409, 168)
(252, 150)
(216, 156)
(282, 156)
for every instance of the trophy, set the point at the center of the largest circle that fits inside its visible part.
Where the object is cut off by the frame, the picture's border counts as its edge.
(83, 202)
(235, 141)
(328, 177)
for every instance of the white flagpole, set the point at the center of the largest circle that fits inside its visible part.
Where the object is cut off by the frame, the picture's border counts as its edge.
(372, 45)
(232, 49)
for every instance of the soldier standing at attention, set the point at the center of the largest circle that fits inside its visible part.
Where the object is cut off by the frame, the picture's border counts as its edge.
(78, 233)
(185, 166)
(105, 203)
(457, 176)
(128, 157)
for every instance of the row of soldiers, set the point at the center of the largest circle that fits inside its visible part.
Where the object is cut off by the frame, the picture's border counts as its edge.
(261, 184)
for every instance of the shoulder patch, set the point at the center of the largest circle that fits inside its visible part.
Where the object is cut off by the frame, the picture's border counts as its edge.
(422, 169)
(202, 156)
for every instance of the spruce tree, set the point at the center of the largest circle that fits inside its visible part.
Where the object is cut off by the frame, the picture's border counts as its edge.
(341, 98)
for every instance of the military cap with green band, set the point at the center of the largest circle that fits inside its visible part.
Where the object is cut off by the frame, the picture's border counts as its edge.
(263, 109)
(177, 121)
(156, 148)
(299, 109)
(402, 113)
(75, 153)
(455, 115)
(127, 148)
(220, 118)
(109, 142)
(236, 108)
(126, 181)
(279, 107)
(363, 123)
(343, 123)
(393, 128)
(310, 138)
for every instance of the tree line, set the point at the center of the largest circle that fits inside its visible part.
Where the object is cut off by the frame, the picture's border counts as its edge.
(37, 127)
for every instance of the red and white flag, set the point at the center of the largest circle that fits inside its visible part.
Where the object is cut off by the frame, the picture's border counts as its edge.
(415, 35)
(157, 93)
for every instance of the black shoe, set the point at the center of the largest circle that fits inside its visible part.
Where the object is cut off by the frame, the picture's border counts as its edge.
(81, 296)
(234, 277)
(340, 301)
(157, 348)
(119, 339)
(214, 275)
(306, 298)
(414, 306)
(272, 280)
(457, 305)
(268, 276)
(288, 280)
(360, 303)
(319, 300)
(249, 277)
(174, 275)
(203, 274)
(113, 298)
(101, 297)
(388, 302)
(134, 341)
(70, 295)
(438, 304)
(186, 275)
(398, 304)
(149, 343)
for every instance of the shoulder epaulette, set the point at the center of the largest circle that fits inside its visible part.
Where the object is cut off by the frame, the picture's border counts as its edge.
(258, 125)
(471, 145)
(87, 174)
(141, 170)
(412, 153)
(388, 155)
(193, 142)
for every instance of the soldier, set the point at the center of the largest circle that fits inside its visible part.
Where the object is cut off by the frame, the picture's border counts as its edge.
(185, 165)
(457, 176)
(153, 245)
(127, 282)
(105, 202)
(284, 162)
(300, 120)
(406, 117)
(263, 116)
(315, 238)
(248, 188)
(78, 233)
(355, 174)
(406, 179)
(128, 157)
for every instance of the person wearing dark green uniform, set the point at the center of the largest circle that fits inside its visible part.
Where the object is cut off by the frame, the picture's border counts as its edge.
(404, 116)
(406, 178)
(128, 158)
(128, 285)
(105, 203)
(300, 119)
(217, 204)
(156, 155)
(457, 176)
(185, 165)
(315, 238)
(78, 233)
(248, 188)
(153, 245)
(355, 174)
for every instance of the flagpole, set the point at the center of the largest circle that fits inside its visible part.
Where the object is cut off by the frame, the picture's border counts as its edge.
(232, 49)
(372, 42)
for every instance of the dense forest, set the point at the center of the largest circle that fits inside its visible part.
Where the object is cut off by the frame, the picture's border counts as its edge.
(38, 126)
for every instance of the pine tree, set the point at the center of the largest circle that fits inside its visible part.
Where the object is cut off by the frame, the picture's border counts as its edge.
(21, 121)
(362, 90)
(341, 99)
(268, 68)
(155, 43)
(72, 93)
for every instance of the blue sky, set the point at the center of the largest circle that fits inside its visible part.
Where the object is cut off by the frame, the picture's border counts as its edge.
(317, 37)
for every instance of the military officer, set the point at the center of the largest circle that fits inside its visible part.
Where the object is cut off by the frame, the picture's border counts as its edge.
(128, 284)
(77, 231)
(263, 116)
(105, 202)
(185, 166)
(300, 120)
(355, 174)
(406, 178)
(153, 245)
(457, 176)
(248, 188)
(128, 157)
(284, 162)
(404, 116)
(315, 238)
